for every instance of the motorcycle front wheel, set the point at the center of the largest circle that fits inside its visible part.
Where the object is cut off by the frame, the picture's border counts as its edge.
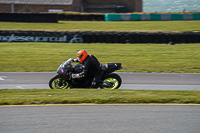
(113, 81)
(57, 83)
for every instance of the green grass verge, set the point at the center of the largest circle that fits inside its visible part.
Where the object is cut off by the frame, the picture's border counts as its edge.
(101, 25)
(46, 96)
(45, 57)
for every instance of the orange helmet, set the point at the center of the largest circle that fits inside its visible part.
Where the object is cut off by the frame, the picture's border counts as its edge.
(82, 55)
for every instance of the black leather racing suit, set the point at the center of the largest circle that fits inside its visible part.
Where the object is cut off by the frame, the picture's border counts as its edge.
(92, 67)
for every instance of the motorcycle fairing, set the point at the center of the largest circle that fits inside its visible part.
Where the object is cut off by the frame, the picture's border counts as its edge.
(78, 68)
(63, 70)
(111, 67)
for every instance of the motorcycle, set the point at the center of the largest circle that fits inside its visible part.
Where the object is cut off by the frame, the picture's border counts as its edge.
(63, 79)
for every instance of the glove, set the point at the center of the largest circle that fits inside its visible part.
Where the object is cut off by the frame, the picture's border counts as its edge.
(73, 60)
(76, 60)
(76, 76)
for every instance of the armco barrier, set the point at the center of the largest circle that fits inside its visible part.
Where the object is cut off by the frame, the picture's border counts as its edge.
(29, 17)
(99, 37)
(67, 17)
(48, 17)
(151, 17)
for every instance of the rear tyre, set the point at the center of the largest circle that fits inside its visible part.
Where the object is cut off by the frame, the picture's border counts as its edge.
(113, 79)
(57, 83)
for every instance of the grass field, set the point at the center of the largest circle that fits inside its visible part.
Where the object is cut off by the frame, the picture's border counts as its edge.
(180, 58)
(46, 96)
(101, 25)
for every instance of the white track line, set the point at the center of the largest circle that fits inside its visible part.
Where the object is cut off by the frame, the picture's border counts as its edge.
(19, 87)
(1, 77)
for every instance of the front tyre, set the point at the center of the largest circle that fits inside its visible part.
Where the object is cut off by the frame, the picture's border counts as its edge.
(57, 83)
(114, 81)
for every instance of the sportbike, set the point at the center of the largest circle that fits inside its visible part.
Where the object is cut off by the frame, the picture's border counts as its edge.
(63, 80)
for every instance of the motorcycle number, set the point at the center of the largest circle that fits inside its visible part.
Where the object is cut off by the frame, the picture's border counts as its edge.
(62, 70)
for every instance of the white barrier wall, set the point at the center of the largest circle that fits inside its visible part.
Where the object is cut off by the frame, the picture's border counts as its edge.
(151, 17)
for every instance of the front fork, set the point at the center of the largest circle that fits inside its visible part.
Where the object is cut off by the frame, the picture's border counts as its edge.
(63, 79)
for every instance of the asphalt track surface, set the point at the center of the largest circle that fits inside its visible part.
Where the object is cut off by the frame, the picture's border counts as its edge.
(134, 81)
(100, 119)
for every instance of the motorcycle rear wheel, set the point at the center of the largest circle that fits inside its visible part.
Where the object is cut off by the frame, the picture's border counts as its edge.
(113, 79)
(57, 83)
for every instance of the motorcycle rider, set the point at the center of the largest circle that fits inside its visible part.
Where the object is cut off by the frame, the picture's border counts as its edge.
(91, 67)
